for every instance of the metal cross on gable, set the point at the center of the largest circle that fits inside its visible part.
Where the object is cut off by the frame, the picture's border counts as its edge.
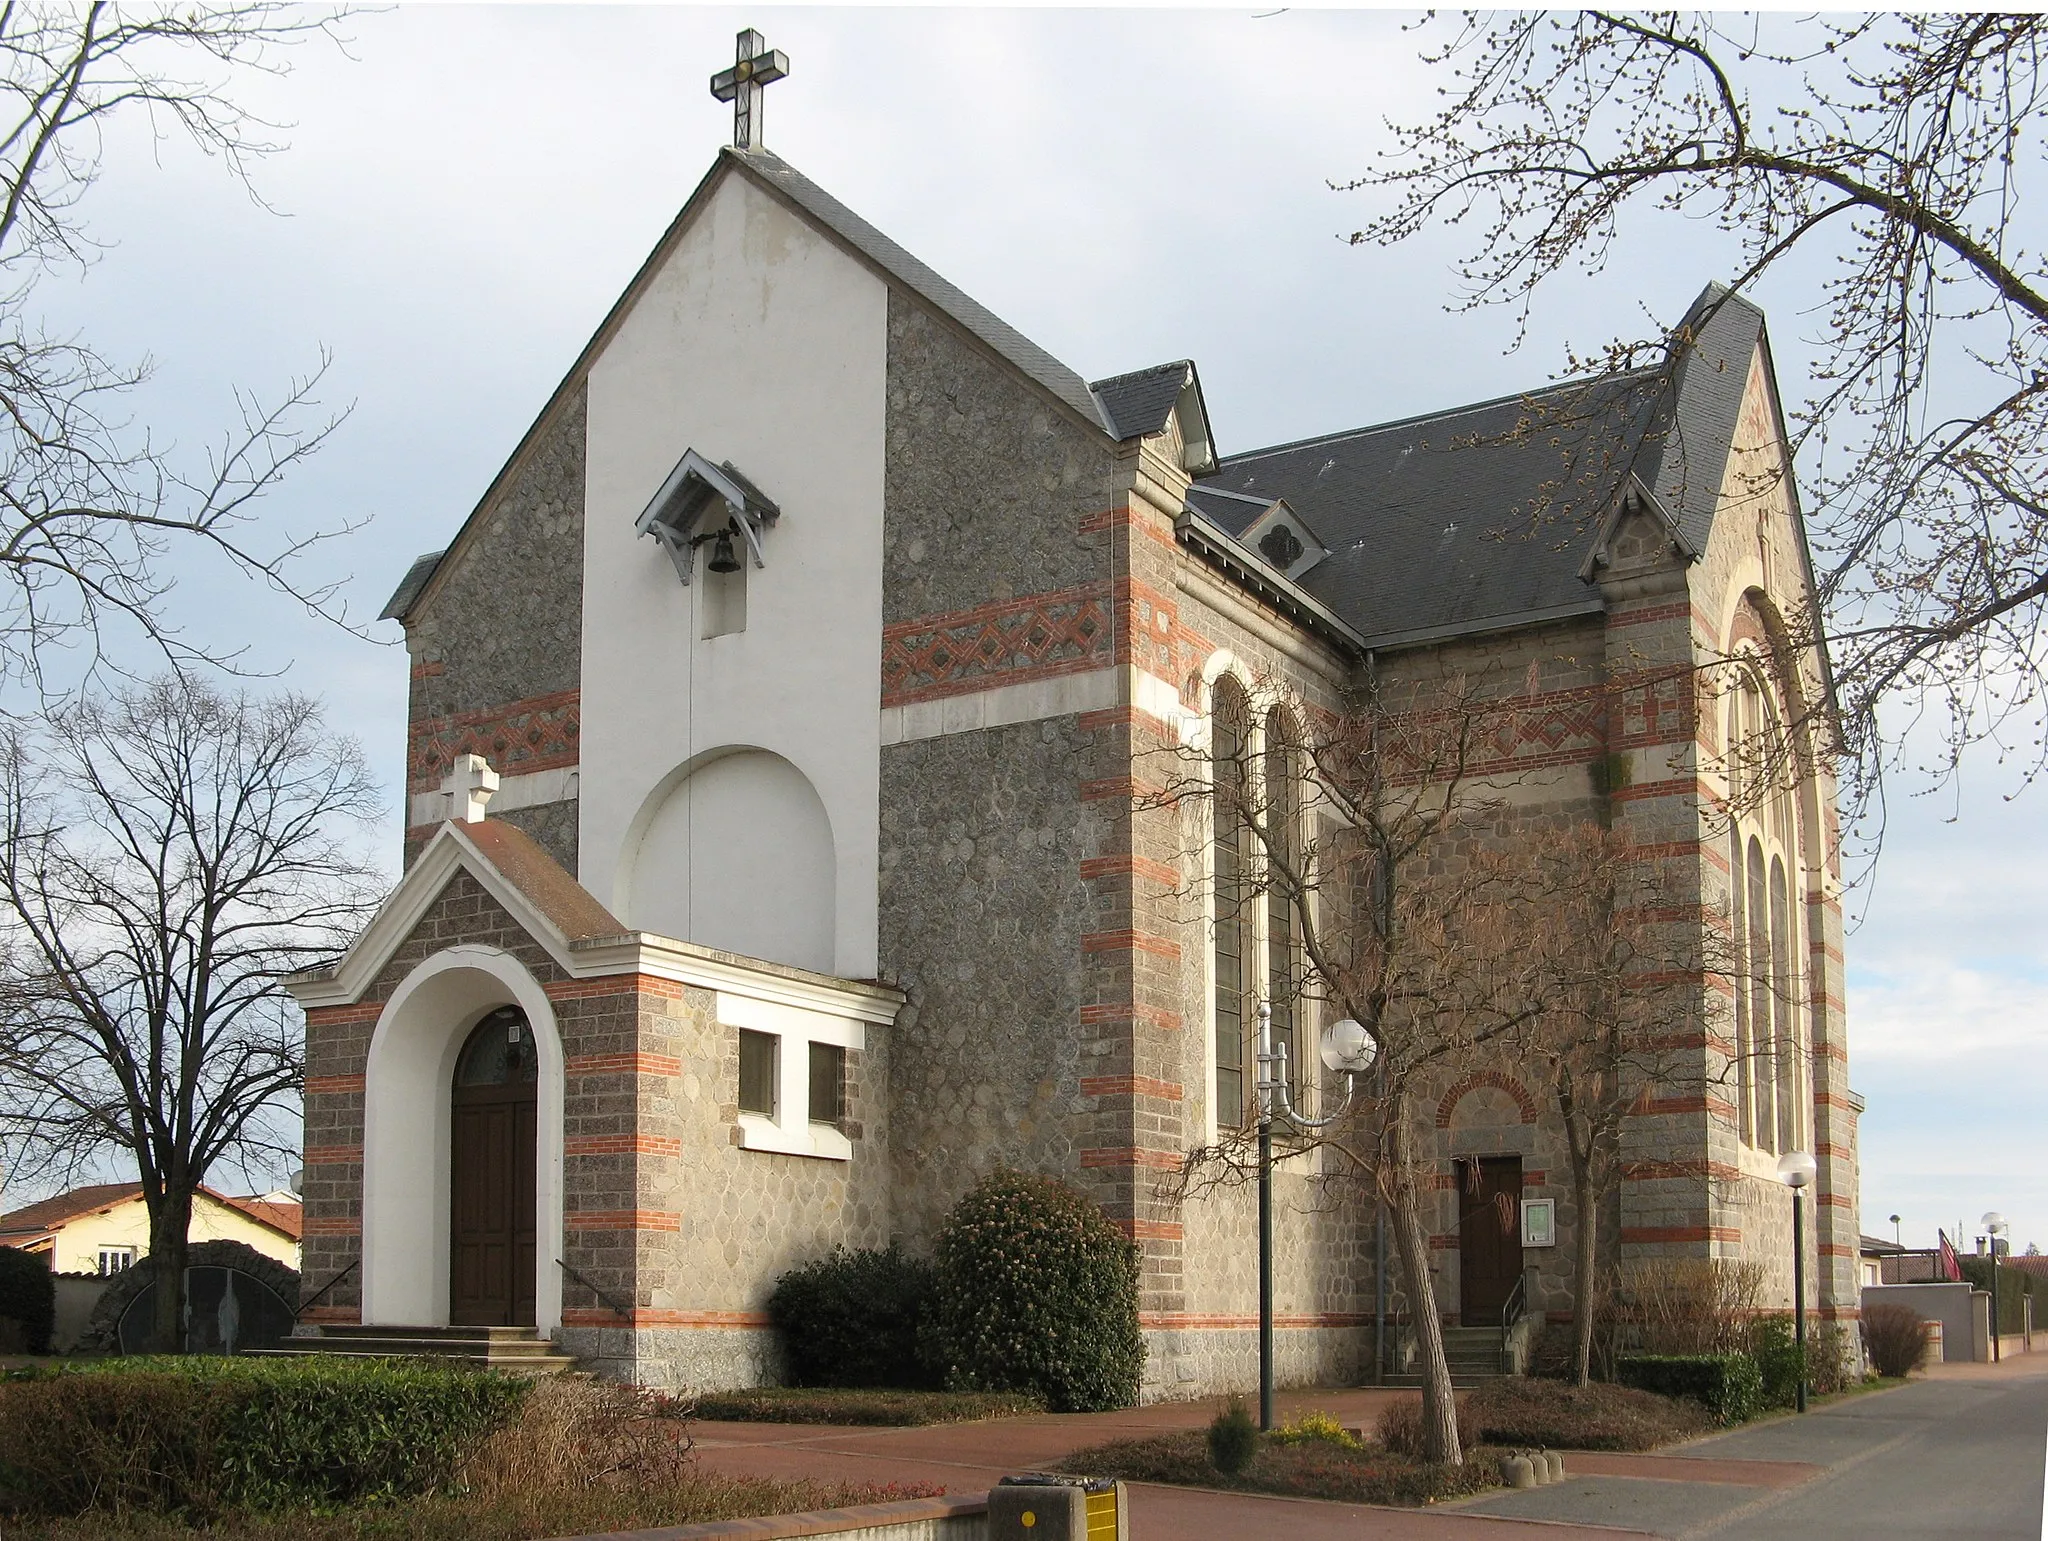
(755, 67)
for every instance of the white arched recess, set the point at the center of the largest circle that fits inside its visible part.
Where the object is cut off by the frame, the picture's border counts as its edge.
(407, 1133)
(734, 849)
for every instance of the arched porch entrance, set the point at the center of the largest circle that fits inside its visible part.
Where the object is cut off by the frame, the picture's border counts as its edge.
(492, 1244)
(419, 1052)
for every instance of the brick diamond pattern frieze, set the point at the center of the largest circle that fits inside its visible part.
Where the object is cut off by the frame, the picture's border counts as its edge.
(998, 644)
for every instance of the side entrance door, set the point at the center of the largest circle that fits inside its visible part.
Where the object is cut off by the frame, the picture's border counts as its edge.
(1489, 1236)
(492, 1253)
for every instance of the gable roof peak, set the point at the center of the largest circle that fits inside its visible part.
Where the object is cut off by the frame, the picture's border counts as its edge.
(776, 174)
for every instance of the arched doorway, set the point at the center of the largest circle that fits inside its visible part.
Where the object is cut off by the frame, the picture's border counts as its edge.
(492, 1252)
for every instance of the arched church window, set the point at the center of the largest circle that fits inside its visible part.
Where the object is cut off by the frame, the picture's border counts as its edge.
(1786, 1012)
(1745, 1046)
(499, 1052)
(1232, 888)
(1284, 845)
(1761, 968)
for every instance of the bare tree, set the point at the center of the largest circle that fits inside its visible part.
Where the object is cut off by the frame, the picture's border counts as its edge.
(1617, 966)
(1393, 932)
(90, 507)
(169, 854)
(1887, 153)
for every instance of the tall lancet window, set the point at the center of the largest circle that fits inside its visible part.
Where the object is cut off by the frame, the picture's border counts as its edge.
(1738, 888)
(1232, 896)
(1284, 844)
(1786, 1015)
(1761, 1015)
(1766, 888)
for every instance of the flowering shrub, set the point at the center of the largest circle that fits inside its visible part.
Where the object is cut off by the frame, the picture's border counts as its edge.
(1038, 1292)
(1317, 1426)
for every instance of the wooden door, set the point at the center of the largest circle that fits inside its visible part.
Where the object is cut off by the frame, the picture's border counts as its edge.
(1489, 1236)
(493, 1254)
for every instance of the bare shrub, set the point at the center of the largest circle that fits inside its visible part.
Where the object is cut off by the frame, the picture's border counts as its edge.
(1685, 1305)
(577, 1433)
(1895, 1339)
(1402, 1430)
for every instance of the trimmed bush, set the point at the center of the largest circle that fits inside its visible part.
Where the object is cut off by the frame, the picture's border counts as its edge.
(1038, 1292)
(204, 1435)
(1780, 1364)
(1233, 1439)
(28, 1299)
(1895, 1338)
(858, 1319)
(1727, 1385)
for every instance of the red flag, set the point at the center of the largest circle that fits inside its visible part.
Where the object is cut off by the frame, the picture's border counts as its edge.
(1951, 1269)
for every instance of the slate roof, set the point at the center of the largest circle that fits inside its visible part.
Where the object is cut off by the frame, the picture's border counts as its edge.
(1139, 403)
(1475, 518)
(1483, 516)
(409, 586)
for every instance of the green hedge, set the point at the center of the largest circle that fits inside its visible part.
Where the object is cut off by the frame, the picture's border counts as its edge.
(1038, 1292)
(204, 1435)
(859, 1319)
(1728, 1385)
(2014, 1285)
(1780, 1364)
(28, 1297)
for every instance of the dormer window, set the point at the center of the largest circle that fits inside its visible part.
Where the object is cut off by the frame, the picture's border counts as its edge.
(1281, 546)
(1284, 539)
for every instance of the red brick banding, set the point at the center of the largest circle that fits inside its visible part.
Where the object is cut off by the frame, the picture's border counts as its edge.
(623, 1220)
(332, 1085)
(621, 1145)
(1115, 1156)
(1649, 1234)
(1131, 1086)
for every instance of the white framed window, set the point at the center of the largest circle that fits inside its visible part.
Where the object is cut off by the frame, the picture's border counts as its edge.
(114, 1259)
(792, 1076)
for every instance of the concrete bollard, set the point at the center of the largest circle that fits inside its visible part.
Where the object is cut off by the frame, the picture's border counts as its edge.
(1049, 1508)
(1518, 1471)
(1556, 1464)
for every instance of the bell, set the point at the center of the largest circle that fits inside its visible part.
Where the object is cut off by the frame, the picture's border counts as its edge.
(722, 558)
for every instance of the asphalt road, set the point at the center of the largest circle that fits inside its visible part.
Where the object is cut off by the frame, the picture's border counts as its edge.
(1953, 1456)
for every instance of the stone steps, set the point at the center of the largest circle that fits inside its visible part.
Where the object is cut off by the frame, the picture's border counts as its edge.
(518, 1349)
(1473, 1355)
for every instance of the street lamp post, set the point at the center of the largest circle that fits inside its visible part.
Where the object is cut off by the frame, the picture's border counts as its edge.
(1346, 1047)
(1994, 1222)
(1795, 1170)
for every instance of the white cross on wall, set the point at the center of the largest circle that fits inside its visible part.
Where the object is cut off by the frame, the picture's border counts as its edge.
(469, 784)
(755, 66)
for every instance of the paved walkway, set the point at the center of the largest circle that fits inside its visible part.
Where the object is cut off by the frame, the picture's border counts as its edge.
(1959, 1453)
(970, 1457)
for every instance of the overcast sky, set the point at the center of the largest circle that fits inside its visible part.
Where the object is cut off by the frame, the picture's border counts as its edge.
(468, 189)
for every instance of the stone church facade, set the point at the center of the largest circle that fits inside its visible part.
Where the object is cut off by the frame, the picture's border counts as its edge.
(786, 848)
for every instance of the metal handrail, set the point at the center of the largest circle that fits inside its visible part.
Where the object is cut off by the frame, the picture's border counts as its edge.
(604, 1296)
(308, 1305)
(1511, 1313)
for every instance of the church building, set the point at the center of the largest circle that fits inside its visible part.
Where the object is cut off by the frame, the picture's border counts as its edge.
(784, 849)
